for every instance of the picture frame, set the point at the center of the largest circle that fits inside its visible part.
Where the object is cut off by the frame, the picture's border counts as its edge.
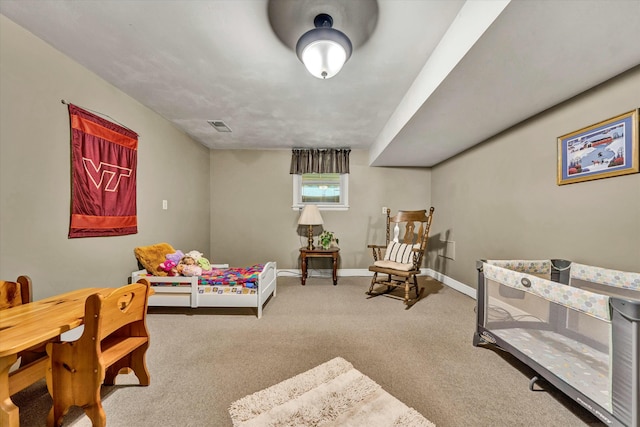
(605, 149)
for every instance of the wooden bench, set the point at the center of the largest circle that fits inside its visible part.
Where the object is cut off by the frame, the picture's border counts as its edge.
(115, 339)
(33, 361)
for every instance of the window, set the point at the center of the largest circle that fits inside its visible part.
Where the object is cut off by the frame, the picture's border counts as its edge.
(320, 177)
(327, 190)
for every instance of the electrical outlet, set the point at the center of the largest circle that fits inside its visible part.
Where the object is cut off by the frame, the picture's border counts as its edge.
(384, 210)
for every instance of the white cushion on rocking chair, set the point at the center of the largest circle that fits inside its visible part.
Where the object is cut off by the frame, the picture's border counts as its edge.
(393, 265)
(400, 252)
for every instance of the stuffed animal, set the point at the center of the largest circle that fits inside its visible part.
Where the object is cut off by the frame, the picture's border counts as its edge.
(191, 270)
(169, 267)
(194, 254)
(176, 257)
(204, 264)
(188, 267)
(200, 260)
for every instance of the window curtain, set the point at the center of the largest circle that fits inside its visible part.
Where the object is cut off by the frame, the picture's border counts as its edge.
(319, 160)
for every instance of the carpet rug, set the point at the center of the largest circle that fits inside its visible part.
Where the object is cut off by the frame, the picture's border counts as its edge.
(331, 394)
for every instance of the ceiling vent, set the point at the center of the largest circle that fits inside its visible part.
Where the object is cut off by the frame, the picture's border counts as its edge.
(219, 125)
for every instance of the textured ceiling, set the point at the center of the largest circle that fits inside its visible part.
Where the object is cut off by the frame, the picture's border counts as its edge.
(427, 78)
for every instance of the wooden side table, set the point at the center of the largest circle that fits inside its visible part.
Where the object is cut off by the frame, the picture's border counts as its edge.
(319, 253)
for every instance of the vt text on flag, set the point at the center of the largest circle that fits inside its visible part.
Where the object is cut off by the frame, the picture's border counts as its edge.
(103, 174)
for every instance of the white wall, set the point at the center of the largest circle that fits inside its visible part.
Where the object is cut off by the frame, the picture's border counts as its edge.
(499, 200)
(252, 220)
(35, 172)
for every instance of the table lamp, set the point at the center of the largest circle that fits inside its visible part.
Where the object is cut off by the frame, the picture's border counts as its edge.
(310, 216)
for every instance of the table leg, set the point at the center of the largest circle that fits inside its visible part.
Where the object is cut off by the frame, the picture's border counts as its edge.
(335, 270)
(9, 416)
(304, 269)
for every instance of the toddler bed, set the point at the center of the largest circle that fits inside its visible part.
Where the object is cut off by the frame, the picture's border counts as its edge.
(217, 286)
(224, 287)
(577, 326)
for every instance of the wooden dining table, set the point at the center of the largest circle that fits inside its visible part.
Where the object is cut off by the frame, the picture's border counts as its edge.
(28, 325)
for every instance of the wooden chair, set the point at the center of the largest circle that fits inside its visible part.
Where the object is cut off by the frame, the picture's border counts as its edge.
(115, 338)
(15, 293)
(33, 360)
(399, 260)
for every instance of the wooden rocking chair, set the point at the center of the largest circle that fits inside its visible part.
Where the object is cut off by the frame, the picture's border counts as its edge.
(399, 261)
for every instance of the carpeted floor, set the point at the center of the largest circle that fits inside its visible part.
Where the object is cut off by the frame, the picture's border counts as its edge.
(202, 360)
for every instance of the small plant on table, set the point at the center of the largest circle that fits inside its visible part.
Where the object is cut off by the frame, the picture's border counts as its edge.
(326, 239)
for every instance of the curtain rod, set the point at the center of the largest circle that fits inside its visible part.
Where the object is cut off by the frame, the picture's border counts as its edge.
(102, 114)
(321, 148)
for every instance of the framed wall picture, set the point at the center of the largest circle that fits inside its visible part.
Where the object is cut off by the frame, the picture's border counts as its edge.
(605, 149)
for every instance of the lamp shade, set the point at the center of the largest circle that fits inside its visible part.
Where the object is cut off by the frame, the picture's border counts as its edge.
(310, 216)
(324, 50)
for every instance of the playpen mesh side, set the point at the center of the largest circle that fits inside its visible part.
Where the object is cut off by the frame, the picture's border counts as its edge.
(625, 370)
(540, 268)
(564, 329)
(624, 287)
(614, 283)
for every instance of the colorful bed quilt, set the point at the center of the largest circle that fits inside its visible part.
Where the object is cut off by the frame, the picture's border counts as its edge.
(246, 277)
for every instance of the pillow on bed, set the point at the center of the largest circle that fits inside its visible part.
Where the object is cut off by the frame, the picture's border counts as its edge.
(400, 252)
(150, 257)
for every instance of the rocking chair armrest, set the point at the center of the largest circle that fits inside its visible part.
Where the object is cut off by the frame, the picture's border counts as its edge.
(376, 251)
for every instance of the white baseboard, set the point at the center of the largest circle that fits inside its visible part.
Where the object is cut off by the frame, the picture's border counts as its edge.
(354, 272)
(452, 283)
(325, 272)
(362, 272)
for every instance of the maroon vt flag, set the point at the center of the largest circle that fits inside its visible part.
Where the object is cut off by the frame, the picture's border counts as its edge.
(103, 189)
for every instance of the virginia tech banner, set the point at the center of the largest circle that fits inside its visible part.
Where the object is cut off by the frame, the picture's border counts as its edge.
(103, 174)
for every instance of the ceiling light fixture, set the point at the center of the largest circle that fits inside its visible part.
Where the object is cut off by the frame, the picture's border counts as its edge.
(323, 50)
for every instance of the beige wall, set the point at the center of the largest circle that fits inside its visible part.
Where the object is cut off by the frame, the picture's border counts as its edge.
(500, 199)
(497, 200)
(35, 172)
(252, 220)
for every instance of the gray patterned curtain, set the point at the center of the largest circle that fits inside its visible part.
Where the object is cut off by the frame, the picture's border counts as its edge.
(319, 160)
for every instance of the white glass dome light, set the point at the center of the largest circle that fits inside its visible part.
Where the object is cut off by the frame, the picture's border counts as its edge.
(323, 50)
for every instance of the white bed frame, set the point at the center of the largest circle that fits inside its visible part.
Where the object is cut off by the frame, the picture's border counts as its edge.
(194, 296)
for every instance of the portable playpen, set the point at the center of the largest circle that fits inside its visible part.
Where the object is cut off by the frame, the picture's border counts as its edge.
(577, 326)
